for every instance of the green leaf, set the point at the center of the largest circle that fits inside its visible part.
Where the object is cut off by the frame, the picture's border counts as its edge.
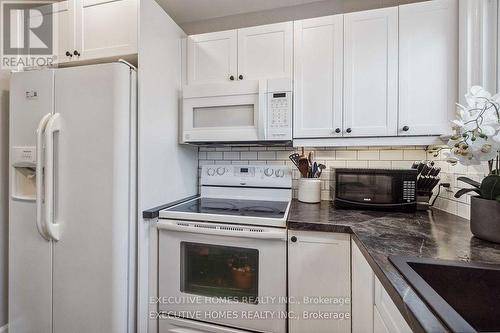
(466, 190)
(490, 187)
(469, 181)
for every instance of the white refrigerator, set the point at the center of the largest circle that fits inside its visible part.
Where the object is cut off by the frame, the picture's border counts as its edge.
(73, 214)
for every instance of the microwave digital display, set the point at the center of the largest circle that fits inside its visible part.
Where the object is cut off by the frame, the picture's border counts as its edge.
(279, 95)
(244, 170)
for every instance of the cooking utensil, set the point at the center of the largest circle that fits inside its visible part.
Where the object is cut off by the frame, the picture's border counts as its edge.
(295, 159)
(304, 167)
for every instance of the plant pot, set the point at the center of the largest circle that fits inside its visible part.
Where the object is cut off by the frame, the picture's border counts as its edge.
(485, 219)
(242, 279)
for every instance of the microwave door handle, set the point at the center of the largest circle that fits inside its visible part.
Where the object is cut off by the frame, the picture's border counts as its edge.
(39, 174)
(262, 110)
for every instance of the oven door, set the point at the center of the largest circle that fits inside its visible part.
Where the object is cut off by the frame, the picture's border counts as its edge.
(225, 112)
(223, 274)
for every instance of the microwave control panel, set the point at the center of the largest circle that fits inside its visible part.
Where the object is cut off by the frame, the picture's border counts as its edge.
(279, 116)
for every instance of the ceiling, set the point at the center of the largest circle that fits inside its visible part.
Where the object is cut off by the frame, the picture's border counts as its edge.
(184, 11)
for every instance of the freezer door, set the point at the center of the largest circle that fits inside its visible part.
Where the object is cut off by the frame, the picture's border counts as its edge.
(94, 186)
(30, 255)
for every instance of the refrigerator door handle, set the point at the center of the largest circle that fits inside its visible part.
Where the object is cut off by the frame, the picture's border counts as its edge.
(39, 174)
(53, 126)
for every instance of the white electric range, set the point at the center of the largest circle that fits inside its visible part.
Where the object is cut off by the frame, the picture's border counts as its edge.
(222, 256)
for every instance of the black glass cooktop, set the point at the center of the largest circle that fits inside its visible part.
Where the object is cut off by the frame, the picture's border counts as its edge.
(254, 208)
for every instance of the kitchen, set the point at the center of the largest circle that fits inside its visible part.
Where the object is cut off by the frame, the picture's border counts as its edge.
(293, 166)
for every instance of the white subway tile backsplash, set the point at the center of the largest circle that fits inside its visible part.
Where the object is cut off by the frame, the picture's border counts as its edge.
(346, 155)
(391, 155)
(354, 157)
(357, 164)
(266, 155)
(379, 164)
(214, 155)
(325, 154)
(369, 155)
(414, 155)
(232, 155)
(250, 155)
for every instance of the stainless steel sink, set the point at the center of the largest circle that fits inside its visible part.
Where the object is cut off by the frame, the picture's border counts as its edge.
(466, 296)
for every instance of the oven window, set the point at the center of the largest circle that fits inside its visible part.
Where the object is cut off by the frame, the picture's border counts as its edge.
(366, 188)
(220, 271)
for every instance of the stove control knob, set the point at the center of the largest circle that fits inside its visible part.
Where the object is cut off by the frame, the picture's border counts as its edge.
(210, 171)
(279, 173)
(268, 172)
(220, 171)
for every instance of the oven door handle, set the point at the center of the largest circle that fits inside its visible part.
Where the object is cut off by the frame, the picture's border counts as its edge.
(217, 230)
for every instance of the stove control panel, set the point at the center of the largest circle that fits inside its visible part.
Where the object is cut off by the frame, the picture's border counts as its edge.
(247, 175)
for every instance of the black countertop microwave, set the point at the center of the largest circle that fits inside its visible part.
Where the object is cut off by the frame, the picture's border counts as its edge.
(380, 189)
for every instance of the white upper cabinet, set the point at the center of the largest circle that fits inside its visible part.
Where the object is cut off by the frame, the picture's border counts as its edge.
(428, 57)
(318, 56)
(106, 28)
(63, 20)
(246, 54)
(265, 51)
(371, 73)
(92, 29)
(212, 57)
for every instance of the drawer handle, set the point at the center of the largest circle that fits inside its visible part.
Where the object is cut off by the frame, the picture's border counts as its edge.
(349, 130)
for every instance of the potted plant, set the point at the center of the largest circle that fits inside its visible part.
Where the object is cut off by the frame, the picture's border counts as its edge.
(242, 273)
(476, 139)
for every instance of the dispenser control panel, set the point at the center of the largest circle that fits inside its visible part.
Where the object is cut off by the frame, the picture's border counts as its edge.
(23, 156)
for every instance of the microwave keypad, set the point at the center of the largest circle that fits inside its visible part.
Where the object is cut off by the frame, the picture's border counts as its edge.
(409, 190)
(279, 112)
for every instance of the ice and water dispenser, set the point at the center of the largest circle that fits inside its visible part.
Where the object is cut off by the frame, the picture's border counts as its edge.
(23, 161)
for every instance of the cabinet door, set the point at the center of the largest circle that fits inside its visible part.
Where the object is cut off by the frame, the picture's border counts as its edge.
(178, 325)
(362, 293)
(63, 20)
(371, 72)
(378, 323)
(212, 57)
(387, 311)
(106, 28)
(318, 56)
(428, 56)
(265, 51)
(318, 268)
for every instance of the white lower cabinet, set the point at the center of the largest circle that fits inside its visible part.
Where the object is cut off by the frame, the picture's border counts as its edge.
(319, 284)
(372, 308)
(178, 325)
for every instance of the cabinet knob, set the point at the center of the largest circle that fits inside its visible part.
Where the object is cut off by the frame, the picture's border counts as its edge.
(240, 77)
(349, 130)
(231, 78)
(337, 130)
(76, 53)
(68, 54)
(293, 239)
(406, 128)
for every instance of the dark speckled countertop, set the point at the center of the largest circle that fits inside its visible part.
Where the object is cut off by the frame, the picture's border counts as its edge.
(434, 234)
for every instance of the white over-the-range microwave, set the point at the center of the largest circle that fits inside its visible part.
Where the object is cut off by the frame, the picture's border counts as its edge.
(254, 111)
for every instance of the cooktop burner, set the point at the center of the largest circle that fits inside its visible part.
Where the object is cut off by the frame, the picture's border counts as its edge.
(255, 208)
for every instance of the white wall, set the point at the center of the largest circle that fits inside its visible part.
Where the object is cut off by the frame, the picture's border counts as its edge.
(4, 190)
(282, 14)
(167, 170)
